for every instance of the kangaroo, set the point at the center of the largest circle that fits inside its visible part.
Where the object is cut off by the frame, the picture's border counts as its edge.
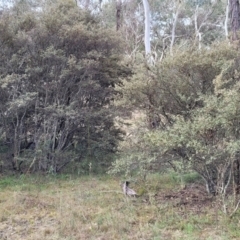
(128, 191)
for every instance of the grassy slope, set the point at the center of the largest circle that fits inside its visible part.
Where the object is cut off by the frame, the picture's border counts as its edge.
(95, 208)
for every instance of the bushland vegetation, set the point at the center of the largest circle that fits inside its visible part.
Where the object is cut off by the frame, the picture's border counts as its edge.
(59, 69)
(81, 95)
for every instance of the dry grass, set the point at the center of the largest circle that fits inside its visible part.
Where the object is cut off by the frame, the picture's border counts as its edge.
(95, 208)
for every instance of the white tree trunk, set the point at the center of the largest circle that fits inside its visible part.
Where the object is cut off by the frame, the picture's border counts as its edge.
(147, 27)
(226, 20)
(198, 36)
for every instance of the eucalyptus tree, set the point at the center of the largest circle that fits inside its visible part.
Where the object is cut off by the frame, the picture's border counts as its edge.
(147, 27)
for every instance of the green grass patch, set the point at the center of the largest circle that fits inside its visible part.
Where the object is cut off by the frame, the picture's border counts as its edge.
(8, 182)
(94, 207)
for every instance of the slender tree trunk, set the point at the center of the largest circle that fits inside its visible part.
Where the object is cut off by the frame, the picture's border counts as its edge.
(237, 176)
(174, 28)
(226, 20)
(235, 18)
(100, 5)
(147, 27)
(118, 14)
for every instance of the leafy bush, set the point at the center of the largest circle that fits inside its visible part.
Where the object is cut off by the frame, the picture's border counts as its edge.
(58, 86)
(191, 102)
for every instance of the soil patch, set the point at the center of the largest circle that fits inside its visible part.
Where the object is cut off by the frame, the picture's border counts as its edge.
(192, 197)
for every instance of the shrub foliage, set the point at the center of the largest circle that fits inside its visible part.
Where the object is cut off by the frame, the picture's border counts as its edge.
(191, 101)
(58, 72)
